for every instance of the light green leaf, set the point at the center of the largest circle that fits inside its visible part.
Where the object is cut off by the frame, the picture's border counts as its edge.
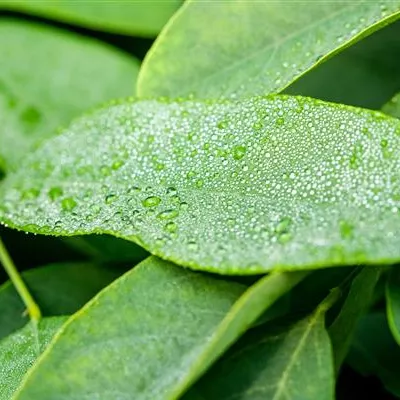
(356, 304)
(363, 75)
(59, 289)
(393, 107)
(275, 183)
(48, 77)
(161, 325)
(133, 17)
(293, 363)
(19, 351)
(374, 351)
(242, 48)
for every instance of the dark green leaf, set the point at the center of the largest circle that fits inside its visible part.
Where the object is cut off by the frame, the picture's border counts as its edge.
(59, 289)
(224, 48)
(393, 303)
(48, 77)
(294, 363)
(275, 183)
(19, 351)
(133, 17)
(104, 248)
(374, 351)
(393, 107)
(161, 327)
(355, 305)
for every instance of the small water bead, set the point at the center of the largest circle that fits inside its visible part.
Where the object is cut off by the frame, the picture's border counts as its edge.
(110, 198)
(171, 227)
(200, 183)
(134, 190)
(239, 152)
(151, 201)
(29, 194)
(171, 191)
(168, 214)
(346, 229)
(222, 124)
(55, 192)
(68, 204)
(117, 164)
(283, 225)
(105, 170)
(193, 246)
(384, 143)
(184, 206)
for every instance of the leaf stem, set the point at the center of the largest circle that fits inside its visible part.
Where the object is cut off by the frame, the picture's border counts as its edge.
(33, 309)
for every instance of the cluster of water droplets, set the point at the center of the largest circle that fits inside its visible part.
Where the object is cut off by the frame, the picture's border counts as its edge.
(248, 185)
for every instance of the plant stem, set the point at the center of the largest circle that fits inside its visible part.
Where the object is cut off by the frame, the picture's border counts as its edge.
(32, 308)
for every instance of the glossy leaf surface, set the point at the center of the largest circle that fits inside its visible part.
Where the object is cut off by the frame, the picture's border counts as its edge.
(253, 48)
(285, 183)
(49, 77)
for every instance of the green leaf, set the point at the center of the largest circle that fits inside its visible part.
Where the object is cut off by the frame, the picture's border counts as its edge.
(356, 304)
(393, 303)
(374, 351)
(363, 75)
(133, 17)
(48, 77)
(161, 327)
(293, 363)
(19, 351)
(243, 48)
(285, 183)
(59, 289)
(393, 107)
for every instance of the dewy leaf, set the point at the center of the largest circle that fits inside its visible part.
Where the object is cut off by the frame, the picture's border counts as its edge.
(60, 289)
(294, 363)
(393, 107)
(374, 352)
(133, 17)
(19, 351)
(48, 77)
(356, 304)
(242, 48)
(275, 183)
(162, 326)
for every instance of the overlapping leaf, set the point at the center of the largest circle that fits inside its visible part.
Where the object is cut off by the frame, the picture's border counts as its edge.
(374, 351)
(19, 351)
(292, 363)
(271, 183)
(48, 77)
(253, 48)
(161, 327)
(59, 289)
(363, 75)
(136, 17)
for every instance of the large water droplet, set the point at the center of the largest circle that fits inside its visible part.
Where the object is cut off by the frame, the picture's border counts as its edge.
(151, 201)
